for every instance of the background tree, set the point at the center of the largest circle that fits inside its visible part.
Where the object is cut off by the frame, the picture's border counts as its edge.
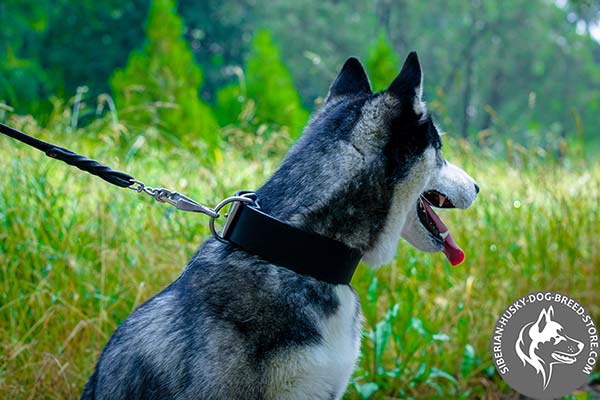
(316, 37)
(159, 87)
(269, 85)
(23, 82)
(220, 34)
(86, 41)
(382, 63)
(524, 71)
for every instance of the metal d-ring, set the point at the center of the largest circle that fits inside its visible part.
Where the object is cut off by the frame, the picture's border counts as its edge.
(233, 199)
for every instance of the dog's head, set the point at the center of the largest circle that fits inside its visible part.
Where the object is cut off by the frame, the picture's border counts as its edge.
(547, 340)
(544, 343)
(369, 169)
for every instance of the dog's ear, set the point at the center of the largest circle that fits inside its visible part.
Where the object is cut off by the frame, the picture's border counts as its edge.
(351, 80)
(408, 85)
(544, 318)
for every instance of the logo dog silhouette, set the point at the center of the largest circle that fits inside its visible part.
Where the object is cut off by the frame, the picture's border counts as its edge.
(544, 343)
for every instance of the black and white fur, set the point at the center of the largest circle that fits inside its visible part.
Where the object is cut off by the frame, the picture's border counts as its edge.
(234, 326)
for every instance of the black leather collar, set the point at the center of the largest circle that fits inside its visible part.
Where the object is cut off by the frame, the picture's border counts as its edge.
(303, 252)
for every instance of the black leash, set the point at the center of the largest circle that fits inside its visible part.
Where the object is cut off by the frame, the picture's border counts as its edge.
(246, 226)
(83, 163)
(117, 178)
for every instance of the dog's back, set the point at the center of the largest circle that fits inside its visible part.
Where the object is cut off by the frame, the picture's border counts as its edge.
(89, 391)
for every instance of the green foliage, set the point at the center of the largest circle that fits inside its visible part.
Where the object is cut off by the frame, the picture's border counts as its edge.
(23, 83)
(229, 105)
(160, 84)
(77, 256)
(382, 63)
(473, 75)
(269, 85)
(84, 44)
(22, 23)
(316, 37)
(72, 45)
(475, 69)
(220, 32)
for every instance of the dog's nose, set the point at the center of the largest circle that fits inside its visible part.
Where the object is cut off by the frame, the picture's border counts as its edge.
(476, 188)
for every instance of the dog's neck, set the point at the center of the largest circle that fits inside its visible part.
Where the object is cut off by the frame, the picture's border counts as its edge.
(346, 213)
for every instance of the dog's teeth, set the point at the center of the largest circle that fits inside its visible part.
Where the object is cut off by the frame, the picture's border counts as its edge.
(442, 199)
(444, 235)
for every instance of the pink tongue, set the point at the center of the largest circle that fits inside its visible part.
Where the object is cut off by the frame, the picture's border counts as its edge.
(454, 253)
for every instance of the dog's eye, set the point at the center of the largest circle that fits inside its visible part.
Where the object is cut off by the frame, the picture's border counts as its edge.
(558, 339)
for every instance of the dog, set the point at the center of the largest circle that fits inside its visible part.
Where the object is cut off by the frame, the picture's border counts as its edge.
(543, 344)
(367, 171)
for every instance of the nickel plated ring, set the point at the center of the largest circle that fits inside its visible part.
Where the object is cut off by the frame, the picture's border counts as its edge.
(233, 199)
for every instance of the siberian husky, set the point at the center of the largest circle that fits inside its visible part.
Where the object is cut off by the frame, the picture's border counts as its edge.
(367, 171)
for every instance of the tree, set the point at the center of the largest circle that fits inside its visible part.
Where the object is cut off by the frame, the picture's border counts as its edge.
(220, 34)
(24, 84)
(316, 37)
(269, 85)
(382, 63)
(160, 84)
(230, 103)
(84, 44)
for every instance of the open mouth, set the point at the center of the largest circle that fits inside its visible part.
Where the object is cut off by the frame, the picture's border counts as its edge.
(563, 358)
(432, 222)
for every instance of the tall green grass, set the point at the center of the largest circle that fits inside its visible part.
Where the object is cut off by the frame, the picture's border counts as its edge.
(78, 255)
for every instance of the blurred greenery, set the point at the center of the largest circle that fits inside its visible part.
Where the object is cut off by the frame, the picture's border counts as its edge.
(382, 62)
(528, 71)
(159, 86)
(269, 86)
(207, 96)
(77, 256)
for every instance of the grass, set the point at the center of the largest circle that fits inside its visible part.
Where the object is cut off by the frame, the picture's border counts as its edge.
(78, 255)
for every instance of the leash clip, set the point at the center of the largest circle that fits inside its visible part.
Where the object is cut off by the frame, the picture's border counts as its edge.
(184, 203)
(173, 198)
